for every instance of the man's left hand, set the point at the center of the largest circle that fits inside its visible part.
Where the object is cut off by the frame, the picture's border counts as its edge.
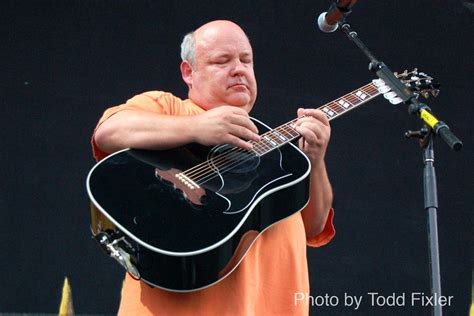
(315, 130)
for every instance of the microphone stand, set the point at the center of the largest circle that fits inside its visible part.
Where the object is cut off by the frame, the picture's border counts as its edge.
(431, 127)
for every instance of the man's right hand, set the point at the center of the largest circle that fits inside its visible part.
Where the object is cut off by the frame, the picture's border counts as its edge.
(225, 125)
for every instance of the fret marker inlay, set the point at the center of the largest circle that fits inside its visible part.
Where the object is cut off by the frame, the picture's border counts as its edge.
(361, 94)
(283, 138)
(343, 103)
(328, 111)
(271, 141)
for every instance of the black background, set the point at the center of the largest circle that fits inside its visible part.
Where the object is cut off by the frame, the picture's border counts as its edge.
(64, 62)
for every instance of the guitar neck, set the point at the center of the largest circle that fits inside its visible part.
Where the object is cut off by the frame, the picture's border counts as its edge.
(286, 133)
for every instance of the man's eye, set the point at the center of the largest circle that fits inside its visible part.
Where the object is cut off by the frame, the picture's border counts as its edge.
(220, 61)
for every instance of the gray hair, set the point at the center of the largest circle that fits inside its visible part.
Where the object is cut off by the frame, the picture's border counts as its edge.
(188, 48)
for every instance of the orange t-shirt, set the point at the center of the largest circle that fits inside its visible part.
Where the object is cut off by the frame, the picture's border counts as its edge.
(266, 281)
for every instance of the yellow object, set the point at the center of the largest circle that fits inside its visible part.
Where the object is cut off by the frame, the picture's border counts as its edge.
(428, 118)
(66, 307)
(471, 313)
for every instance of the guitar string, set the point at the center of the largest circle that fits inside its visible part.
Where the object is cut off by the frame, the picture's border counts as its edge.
(225, 155)
(244, 156)
(355, 100)
(213, 175)
(224, 158)
(234, 163)
(234, 153)
(352, 98)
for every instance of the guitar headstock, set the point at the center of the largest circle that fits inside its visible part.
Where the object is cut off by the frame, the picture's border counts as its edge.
(419, 83)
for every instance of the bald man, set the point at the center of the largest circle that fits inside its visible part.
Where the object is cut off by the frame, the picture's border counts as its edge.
(217, 67)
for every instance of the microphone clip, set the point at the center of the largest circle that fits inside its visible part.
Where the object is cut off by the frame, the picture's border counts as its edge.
(344, 10)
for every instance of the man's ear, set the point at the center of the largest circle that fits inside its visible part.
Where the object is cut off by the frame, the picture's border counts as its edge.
(187, 73)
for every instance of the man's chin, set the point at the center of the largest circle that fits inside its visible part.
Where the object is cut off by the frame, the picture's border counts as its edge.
(246, 106)
(241, 101)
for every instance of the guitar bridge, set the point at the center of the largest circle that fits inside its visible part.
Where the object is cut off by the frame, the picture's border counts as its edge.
(190, 189)
(187, 181)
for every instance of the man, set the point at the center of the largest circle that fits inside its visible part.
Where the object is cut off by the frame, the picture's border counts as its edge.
(217, 67)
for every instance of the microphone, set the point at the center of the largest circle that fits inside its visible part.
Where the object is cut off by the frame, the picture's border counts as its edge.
(328, 21)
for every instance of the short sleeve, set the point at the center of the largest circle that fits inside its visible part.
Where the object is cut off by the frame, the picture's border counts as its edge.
(148, 101)
(326, 235)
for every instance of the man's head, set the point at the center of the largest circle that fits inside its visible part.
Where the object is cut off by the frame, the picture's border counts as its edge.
(217, 66)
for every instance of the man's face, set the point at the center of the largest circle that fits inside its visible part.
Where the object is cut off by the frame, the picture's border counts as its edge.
(223, 71)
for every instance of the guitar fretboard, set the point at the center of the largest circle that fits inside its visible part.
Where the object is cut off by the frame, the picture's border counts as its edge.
(286, 133)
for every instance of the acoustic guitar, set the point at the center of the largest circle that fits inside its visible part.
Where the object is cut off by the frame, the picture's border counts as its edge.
(183, 219)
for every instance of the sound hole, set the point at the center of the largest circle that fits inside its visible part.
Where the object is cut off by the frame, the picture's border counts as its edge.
(226, 158)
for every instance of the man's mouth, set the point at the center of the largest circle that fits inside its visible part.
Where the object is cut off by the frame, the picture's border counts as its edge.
(239, 85)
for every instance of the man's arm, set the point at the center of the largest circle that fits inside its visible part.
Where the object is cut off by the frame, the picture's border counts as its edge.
(316, 212)
(316, 132)
(148, 130)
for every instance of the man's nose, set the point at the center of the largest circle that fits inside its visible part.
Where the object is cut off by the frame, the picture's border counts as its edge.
(238, 68)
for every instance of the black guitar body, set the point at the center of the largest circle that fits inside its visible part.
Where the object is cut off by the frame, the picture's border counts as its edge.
(148, 220)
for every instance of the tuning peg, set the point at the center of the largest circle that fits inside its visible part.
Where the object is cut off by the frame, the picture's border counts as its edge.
(424, 75)
(383, 89)
(396, 100)
(392, 97)
(378, 82)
